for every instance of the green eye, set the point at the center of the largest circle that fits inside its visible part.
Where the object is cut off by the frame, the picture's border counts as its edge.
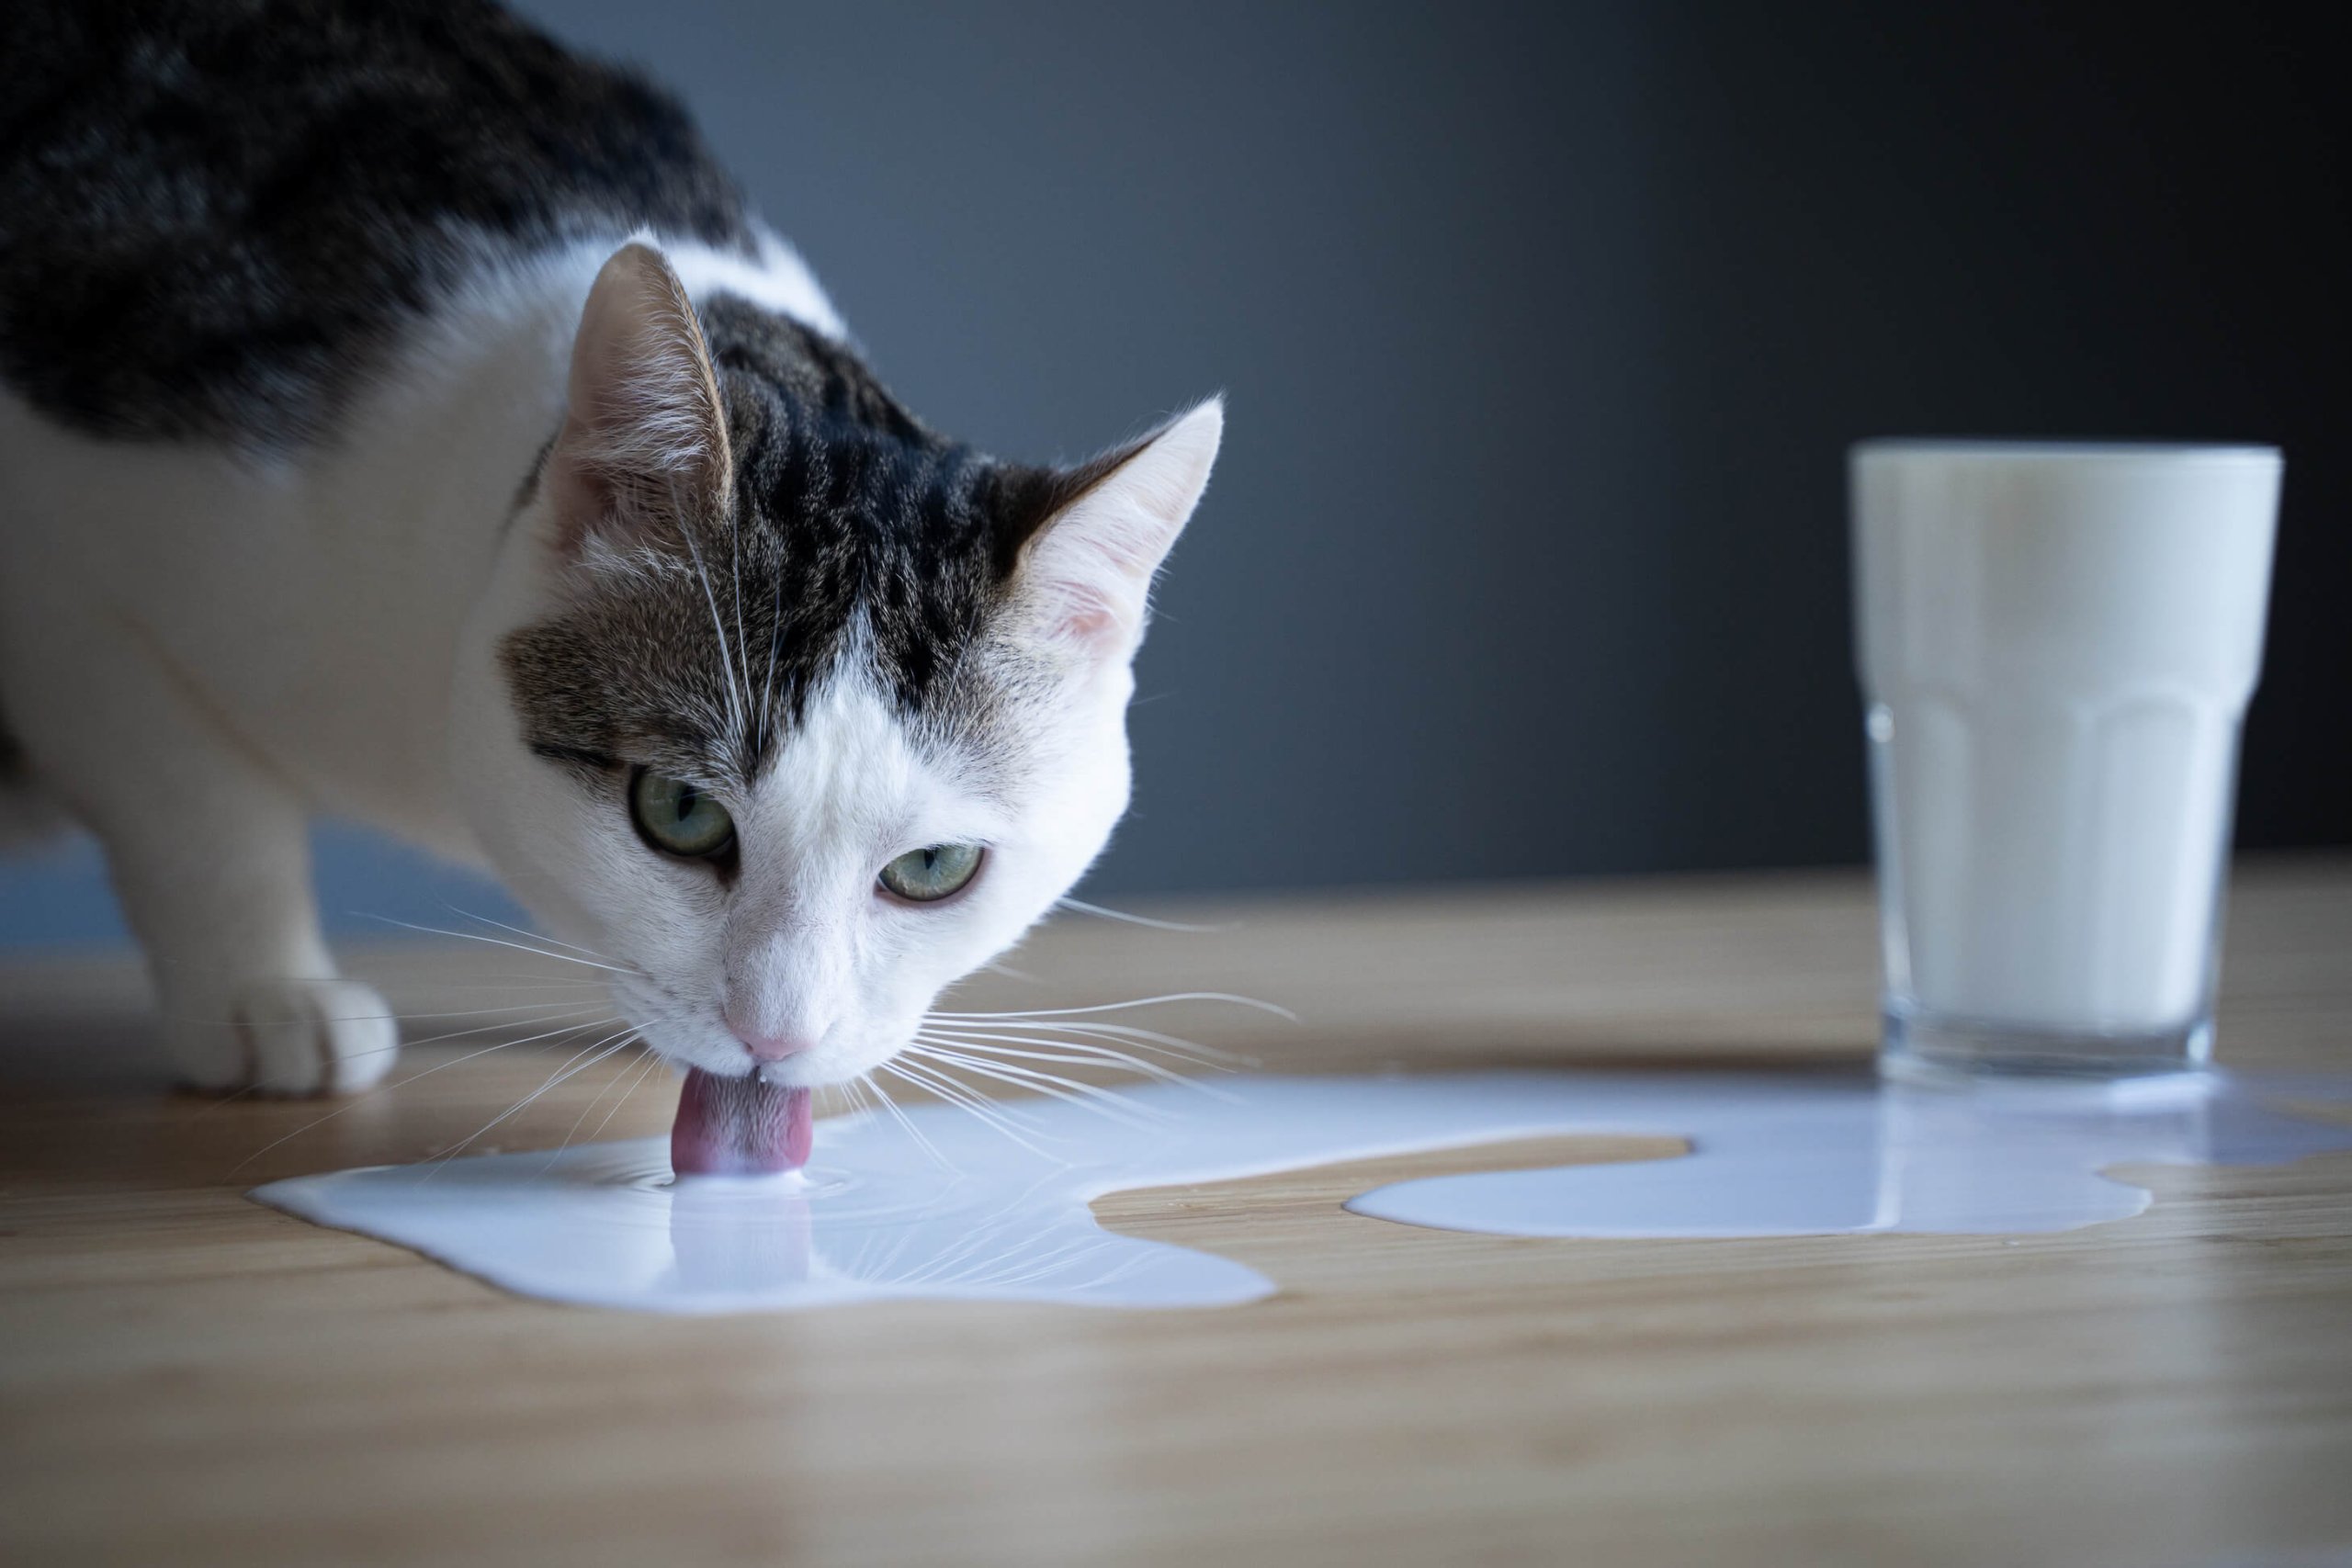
(677, 818)
(925, 876)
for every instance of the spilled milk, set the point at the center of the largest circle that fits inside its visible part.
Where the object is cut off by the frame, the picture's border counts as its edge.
(945, 1206)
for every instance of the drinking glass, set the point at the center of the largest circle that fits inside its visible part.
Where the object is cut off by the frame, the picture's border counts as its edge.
(2056, 644)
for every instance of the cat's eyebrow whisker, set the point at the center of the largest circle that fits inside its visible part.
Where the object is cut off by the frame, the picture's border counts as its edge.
(750, 742)
(498, 942)
(356, 1102)
(726, 656)
(1278, 1011)
(776, 640)
(1078, 906)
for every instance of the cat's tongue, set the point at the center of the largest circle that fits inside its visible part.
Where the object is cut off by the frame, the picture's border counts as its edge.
(738, 1127)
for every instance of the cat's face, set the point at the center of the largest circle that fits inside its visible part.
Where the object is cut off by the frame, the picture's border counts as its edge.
(790, 712)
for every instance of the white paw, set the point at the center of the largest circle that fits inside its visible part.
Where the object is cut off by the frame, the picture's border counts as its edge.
(285, 1037)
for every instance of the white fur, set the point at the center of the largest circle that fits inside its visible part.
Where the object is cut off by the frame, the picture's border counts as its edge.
(202, 650)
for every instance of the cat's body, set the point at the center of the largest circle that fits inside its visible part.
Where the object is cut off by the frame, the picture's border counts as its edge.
(403, 420)
(317, 595)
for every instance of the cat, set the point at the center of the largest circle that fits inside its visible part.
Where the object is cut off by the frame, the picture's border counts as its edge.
(404, 418)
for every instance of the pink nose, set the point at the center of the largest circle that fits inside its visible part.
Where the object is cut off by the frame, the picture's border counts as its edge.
(766, 1047)
(771, 1047)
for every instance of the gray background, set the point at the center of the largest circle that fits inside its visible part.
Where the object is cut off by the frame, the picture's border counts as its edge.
(1544, 328)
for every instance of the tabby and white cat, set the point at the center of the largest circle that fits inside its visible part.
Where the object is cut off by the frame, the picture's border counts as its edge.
(402, 418)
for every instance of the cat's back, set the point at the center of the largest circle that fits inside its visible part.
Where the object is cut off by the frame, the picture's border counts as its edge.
(217, 217)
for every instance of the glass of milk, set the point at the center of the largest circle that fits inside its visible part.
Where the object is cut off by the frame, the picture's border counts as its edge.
(2056, 644)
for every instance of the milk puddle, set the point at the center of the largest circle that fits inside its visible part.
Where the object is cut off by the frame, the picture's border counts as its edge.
(976, 1216)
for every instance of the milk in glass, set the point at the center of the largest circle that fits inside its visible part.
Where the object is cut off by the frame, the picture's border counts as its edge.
(2056, 646)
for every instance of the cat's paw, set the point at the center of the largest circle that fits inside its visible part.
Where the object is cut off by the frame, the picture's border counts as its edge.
(292, 1037)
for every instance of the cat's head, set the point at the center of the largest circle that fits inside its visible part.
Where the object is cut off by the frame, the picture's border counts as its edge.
(790, 710)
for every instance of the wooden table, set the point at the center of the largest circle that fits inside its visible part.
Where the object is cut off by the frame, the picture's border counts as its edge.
(187, 1377)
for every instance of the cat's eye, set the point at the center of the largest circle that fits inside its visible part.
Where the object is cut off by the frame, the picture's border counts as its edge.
(927, 876)
(678, 818)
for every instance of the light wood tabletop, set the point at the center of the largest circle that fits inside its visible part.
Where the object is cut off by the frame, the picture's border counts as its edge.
(188, 1378)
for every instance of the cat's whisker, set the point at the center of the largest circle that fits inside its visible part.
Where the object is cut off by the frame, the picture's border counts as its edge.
(1077, 1056)
(961, 1095)
(1082, 1036)
(1227, 997)
(503, 981)
(500, 941)
(951, 1090)
(906, 1121)
(726, 656)
(750, 742)
(549, 1008)
(1078, 906)
(776, 641)
(653, 1060)
(586, 1057)
(360, 1100)
(582, 1120)
(544, 1010)
(518, 931)
(1070, 1091)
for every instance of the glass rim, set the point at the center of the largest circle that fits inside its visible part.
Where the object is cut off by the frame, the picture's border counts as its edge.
(2029, 449)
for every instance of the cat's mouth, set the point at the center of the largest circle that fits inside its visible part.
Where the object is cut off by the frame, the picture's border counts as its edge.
(740, 1126)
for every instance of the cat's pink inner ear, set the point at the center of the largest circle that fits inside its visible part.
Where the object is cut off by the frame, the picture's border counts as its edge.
(1087, 571)
(644, 437)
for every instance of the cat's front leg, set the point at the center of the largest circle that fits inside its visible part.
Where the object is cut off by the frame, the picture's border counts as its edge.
(210, 855)
(217, 883)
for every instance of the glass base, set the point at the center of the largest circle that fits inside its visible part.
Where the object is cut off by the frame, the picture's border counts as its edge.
(1925, 1048)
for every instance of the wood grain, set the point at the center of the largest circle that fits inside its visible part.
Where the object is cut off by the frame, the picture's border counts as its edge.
(186, 1378)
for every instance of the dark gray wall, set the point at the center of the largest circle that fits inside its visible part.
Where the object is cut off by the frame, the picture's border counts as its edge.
(1544, 328)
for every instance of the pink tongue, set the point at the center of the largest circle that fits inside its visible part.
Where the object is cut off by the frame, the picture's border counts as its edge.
(738, 1127)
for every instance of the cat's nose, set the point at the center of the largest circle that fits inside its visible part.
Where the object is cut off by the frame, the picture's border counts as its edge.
(771, 1047)
(766, 1045)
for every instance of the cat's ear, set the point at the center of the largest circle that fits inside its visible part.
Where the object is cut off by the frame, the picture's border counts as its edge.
(644, 438)
(1086, 541)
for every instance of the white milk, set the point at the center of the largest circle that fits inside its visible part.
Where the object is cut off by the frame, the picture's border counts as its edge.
(944, 1206)
(2056, 644)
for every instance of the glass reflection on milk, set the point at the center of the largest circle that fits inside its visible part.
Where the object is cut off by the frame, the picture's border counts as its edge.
(2056, 646)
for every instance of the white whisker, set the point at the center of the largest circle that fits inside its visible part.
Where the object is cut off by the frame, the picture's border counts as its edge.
(518, 931)
(963, 1098)
(726, 656)
(1092, 1096)
(907, 1123)
(583, 1116)
(385, 1088)
(1080, 906)
(500, 941)
(1076, 1055)
(1139, 1002)
(593, 1054)
(1050, 1034)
